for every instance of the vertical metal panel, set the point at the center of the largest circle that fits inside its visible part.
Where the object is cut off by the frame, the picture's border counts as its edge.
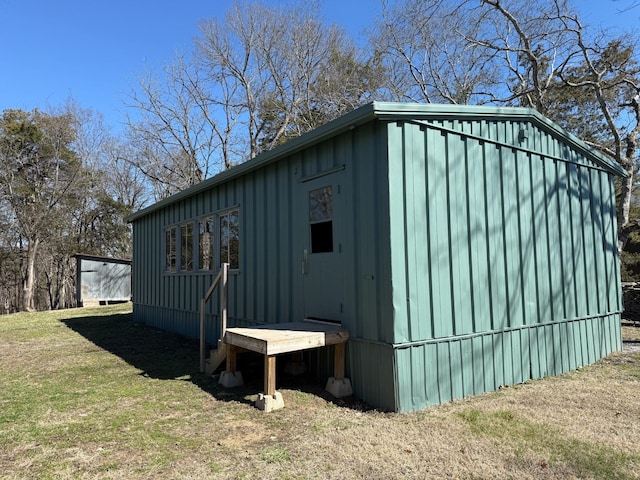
(542, 349)
(368, 256)
(438, 233)
(418, 280)
(504, 239)
(373, 373)
(459, 233)
(538, 235)
(400, 253)
(480, 305)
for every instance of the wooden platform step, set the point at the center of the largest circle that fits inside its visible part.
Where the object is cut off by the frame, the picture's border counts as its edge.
(217, 358)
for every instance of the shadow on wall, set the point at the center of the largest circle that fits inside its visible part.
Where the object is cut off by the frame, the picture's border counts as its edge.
(165, 356)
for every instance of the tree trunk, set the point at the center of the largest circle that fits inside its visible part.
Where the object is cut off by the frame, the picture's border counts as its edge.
(625, 200)
(631, 148)
(29, 281)
(626, 185)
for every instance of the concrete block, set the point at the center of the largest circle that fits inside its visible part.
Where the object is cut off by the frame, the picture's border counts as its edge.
(340, 387)
(231, 379)
(269, 403)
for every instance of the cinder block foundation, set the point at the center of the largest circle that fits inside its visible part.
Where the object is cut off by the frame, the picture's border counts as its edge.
(269, 403)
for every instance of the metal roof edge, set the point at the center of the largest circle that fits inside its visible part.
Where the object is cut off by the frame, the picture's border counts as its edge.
(604, 160)
(98, 258)
(349, 120)
(400, 111)
(383, 111)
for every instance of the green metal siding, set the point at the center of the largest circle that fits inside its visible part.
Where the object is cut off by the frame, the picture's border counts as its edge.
(472, 256)
(504, 256)
(267, 287)
(371, 369)
(442, 370)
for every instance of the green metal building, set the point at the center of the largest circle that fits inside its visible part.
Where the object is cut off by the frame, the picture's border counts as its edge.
(464, 248)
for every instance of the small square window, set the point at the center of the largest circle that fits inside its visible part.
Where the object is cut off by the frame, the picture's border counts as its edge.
(321, 220)
(322, 237)
(320, 204)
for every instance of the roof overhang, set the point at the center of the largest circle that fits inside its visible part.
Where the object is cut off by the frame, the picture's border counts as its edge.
(97, 258)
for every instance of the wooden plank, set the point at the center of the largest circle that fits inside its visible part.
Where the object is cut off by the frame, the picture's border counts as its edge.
(269, 375)
(240, 338)
(286, 337)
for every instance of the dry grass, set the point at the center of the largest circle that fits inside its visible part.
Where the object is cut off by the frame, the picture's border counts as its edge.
(89, 394)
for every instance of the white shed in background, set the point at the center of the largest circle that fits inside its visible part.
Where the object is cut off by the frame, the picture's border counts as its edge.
(102, 280)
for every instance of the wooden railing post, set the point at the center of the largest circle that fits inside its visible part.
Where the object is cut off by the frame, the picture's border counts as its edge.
(222, 278)
(223, 300)
(203, 303)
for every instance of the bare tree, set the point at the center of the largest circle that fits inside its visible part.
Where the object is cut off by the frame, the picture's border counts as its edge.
(424, 48)
(270, 67)
(550, 54)
(520, 53)
(171, 122)
(261, 76)
(126, 184)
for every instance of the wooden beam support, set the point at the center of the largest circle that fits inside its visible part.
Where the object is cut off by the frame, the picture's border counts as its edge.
(232, 352)
(203, 303)
(269, 375)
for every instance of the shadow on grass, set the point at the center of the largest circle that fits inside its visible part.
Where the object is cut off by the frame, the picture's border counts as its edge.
(166, 356)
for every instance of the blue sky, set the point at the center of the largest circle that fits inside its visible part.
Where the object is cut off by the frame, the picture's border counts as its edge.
(92, 51)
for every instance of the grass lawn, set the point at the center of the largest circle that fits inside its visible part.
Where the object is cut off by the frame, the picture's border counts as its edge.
(87, 393)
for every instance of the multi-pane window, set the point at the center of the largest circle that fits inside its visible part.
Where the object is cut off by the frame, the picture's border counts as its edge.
(186, 247)
(230, 238)
(204, 244)
(171, 249)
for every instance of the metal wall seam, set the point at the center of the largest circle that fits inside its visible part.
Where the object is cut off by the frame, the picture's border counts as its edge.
(429, 341)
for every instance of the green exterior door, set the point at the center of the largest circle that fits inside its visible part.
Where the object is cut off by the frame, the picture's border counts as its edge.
(322, 265)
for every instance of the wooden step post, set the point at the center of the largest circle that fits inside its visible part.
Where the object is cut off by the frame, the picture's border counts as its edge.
(269, 375)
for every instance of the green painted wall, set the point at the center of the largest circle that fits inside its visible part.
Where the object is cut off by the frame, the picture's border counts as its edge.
(273, 223)
(469, 256)
(504, 255)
